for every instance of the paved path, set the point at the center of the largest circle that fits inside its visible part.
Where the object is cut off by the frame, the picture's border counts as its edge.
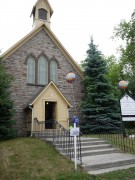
(100, 157)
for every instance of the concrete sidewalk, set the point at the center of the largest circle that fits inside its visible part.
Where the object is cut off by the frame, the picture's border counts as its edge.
(104, 158)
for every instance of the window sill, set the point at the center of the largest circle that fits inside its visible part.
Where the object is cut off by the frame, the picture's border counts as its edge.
(29, 84)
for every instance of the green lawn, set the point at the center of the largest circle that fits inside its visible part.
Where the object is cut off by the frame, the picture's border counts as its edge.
(32, 159)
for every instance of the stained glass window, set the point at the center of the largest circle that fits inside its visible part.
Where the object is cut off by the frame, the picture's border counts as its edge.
(42, 70)
(54, 71)
(31, 70)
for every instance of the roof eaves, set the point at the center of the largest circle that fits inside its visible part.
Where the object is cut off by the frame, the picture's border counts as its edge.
(44, 89)
(54, 39)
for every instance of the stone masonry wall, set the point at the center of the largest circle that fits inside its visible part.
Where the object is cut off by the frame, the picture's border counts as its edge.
(21, 92)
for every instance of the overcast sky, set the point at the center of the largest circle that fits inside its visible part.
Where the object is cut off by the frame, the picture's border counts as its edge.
(73, 22)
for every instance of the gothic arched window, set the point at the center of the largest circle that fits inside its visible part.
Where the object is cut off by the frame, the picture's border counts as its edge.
(42, 14)
(31, 70)
(42, 70)
(54, 71)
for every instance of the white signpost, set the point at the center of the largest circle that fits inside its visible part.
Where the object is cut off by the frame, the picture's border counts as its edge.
(75, 132)
(127, 108)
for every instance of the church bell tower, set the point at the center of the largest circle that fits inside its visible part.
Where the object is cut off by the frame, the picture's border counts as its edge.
(42, 12)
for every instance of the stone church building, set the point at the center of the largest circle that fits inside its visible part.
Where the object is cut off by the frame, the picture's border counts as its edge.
(39, 64)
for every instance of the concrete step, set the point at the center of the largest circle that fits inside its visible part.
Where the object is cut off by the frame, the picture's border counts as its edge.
(85, 139)
(93, 143)
(107, 161)
(84, 142)
(101, 171)
(90, 138)
(88, 152)
(100, 157)
(94, 147)
(99, 152)
(92, 153)
(83, 146)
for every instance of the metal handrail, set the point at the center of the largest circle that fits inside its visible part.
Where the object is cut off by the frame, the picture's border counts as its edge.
(112, 125)
(117, 135)
(61, 138)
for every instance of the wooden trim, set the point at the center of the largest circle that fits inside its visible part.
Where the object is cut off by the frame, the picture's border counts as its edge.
(51, 83)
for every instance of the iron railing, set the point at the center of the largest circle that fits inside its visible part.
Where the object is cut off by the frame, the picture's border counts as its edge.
(59, 136)
(117, 136)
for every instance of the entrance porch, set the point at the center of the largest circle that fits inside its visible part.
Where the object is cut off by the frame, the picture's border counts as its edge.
(49, 106)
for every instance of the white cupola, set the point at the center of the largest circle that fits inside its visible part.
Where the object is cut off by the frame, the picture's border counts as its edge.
(42, 12)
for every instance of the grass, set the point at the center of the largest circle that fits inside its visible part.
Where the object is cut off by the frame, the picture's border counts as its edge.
(32, 159)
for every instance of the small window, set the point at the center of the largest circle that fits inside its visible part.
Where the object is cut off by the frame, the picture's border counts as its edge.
(42, 71)
(42, 14)
(54, 71)
(31, 70)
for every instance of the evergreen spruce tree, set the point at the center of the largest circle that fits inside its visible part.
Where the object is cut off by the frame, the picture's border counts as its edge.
(100, 109)
(6, 105)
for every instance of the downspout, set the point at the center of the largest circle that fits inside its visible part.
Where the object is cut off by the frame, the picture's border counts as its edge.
(69, 116)
(32, 120)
